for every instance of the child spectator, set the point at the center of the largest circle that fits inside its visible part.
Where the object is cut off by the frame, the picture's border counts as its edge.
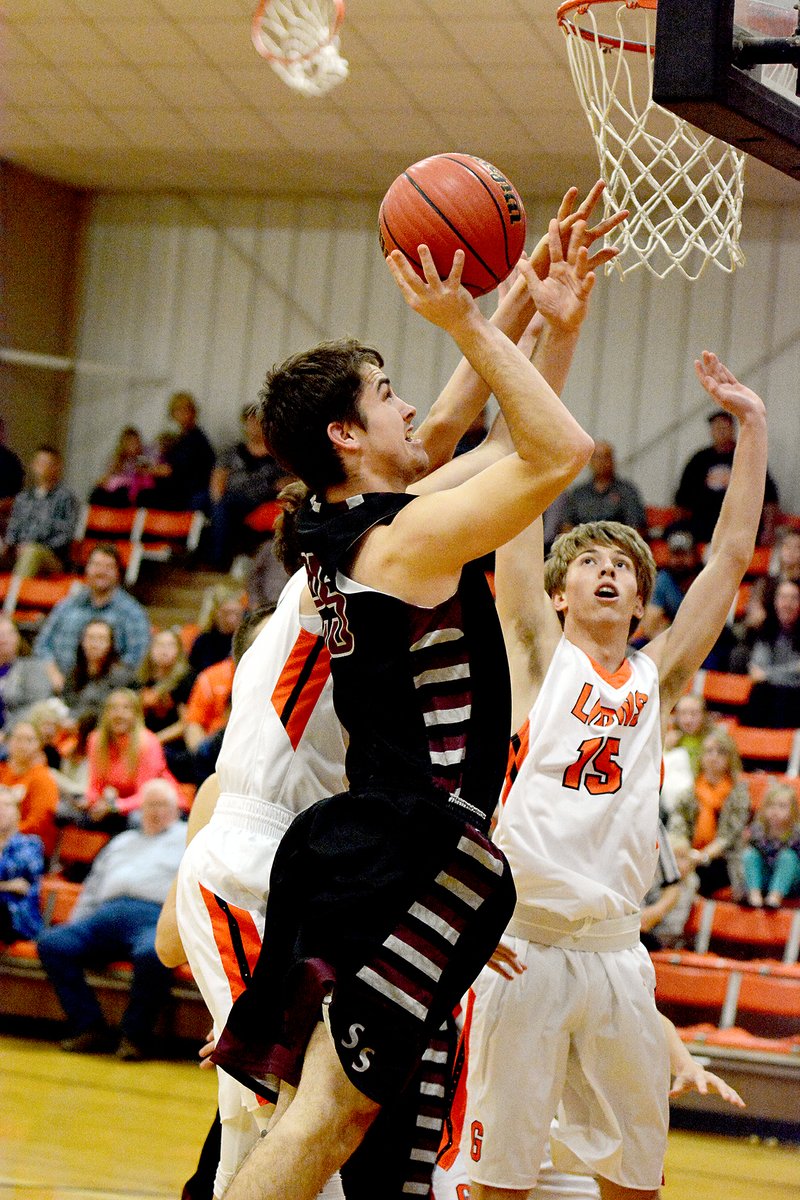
(689, 725)
(21, 868)
(72, 775)
(771, 858)
(51, 720)
(23, 679)
(664, 917)
(123, 755)
(97, 671)
(129, 472)
(213, 643)
(28, 775)
(713, 813)
(165, 679)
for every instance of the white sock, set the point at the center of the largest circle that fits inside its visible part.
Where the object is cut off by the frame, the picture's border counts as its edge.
(333, 1189)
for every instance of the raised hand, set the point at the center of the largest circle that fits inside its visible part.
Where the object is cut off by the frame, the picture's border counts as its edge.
(723, 386)
(568, 216)
(562, 297)
(443, 302)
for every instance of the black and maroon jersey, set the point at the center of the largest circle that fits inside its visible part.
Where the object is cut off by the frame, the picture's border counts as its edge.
(424, 693)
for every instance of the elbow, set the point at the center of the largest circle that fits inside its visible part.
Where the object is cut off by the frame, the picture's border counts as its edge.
(576, 450)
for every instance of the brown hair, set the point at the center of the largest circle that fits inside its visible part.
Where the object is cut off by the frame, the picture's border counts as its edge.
(569, 545)
(726, 743)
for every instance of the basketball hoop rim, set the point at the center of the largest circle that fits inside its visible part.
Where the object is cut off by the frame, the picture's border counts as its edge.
(602, 39)
(255, 34)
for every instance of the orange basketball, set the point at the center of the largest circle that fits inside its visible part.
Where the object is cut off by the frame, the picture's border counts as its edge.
(451, 202)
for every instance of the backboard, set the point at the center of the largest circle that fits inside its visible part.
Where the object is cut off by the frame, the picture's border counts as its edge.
(704, 72)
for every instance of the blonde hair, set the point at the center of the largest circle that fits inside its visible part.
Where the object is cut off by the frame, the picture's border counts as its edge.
(723, 739)
(777, 788)
(104, 737)
(569, 545)
(214, 599)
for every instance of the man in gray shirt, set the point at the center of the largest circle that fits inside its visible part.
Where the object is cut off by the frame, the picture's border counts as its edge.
(605, 497)
(115, 918)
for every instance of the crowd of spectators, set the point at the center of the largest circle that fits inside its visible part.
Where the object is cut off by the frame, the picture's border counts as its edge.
(105, 720)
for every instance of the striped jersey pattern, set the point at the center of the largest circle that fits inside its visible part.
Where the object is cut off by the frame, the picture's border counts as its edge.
(409, 965)
(441, 672)
(433, 1079)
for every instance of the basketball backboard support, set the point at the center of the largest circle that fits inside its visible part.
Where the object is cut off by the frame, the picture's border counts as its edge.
(755, 108)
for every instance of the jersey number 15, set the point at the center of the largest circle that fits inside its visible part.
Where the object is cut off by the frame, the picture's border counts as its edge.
(596, 767)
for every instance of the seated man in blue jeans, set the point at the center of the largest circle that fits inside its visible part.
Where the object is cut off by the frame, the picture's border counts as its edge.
(115, 918)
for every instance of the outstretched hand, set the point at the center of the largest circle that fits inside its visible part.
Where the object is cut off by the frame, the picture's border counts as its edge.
(568, 216)
(562, 297)
(724, 387)
(443, 302)
(695, 1078)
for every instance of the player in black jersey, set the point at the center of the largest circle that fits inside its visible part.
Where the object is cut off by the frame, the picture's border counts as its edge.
(386, 901)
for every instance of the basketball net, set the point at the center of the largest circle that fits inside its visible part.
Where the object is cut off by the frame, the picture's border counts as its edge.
(298, 38)
(683, 189)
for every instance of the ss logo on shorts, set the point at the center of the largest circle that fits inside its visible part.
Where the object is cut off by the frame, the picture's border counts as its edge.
(361, 1063)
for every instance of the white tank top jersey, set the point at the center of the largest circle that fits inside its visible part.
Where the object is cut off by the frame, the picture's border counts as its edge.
(284, 743)
(579, 817)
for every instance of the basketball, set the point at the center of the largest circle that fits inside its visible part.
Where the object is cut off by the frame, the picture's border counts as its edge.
(450, 202)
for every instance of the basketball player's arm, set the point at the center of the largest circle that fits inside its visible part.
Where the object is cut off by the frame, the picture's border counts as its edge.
(680, 650)
(531, 629)
(551, 335)
(169, 946)
(465, 394)
(688, 1075)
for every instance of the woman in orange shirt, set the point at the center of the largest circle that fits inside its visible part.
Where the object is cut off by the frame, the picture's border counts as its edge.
(713, 814)
(27, 772)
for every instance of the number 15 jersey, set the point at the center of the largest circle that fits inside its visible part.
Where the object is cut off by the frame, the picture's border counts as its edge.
(579, 815)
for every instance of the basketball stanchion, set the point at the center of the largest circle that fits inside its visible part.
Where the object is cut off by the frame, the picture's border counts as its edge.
(683, 188)
(299, 39)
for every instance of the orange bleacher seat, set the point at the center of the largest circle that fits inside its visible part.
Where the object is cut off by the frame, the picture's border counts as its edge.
(660, 552)
(767, 749)
(100, 521)
(738, 1039)
(659, 517)
(163, 531)
(720, 688)
(759, 563)
(758, 782)
(792, 520)
(773, 990)
(699, 983)
(742, 600)
(262, 519)
(28, 600)
(58, 898)
(77, 847)
(721, 923)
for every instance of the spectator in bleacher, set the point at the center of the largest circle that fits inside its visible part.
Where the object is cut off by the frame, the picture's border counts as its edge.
(26, 772)
(785, 566)
(21, 868)
(115, 919)
(705, 480)
(774, 664)
(51, 720)
(606, 497)
(183, 474)
(97, 672)
(213, 643)
(72, 775)
(673, 581)
(123, 756)
(43, 518)
(23, 679)
(204, 719)
(712, 815)
(245, 476)
(129, 472)
(664, 916)
(165, 680)
(99, 598)
(771, 857)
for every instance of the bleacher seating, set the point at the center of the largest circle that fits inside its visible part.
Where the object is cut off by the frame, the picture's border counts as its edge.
(722, 925)
(721, 691)
(768, 749)
(28, 601)
(25, 989)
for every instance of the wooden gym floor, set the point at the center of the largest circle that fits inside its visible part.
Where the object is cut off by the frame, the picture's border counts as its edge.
(74, 1127)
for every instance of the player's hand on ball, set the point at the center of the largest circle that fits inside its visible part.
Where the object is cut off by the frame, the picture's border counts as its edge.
(443, 302)
(724, 387)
